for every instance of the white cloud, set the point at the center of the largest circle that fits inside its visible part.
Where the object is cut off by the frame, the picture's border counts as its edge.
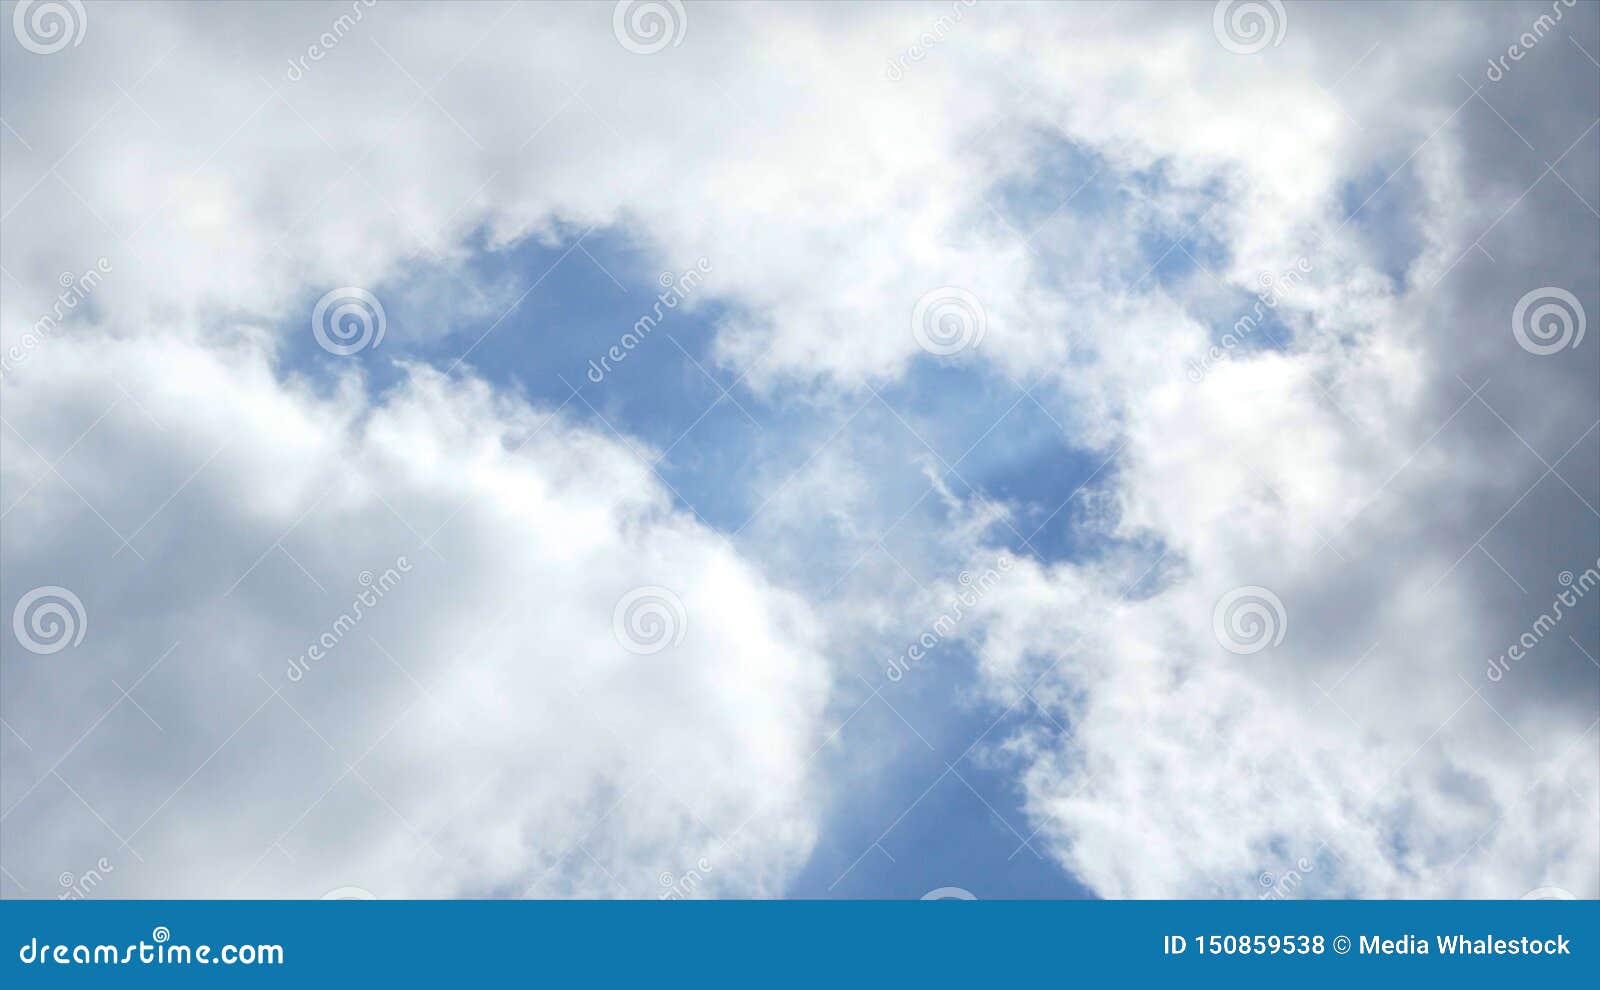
(501, 734)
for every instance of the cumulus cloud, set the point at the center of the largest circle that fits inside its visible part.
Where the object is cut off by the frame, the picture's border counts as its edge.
(1392, 468)
(385, 631)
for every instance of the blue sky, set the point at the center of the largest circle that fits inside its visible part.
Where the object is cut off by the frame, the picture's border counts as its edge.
(667, 392)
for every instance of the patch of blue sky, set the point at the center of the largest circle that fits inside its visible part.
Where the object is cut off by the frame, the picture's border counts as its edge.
(541, 318)
(1058, 205)
(1177, 257)
(530, 320)
(950, 814)
(1382, 210)
(1064, 176)
(1247, 323)
(545, 320)
(948, 422)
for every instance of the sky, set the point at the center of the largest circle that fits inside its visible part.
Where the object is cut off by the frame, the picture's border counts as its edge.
(668, 449)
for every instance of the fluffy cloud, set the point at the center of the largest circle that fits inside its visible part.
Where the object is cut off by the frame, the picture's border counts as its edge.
(384, 631)
(1410, 485)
